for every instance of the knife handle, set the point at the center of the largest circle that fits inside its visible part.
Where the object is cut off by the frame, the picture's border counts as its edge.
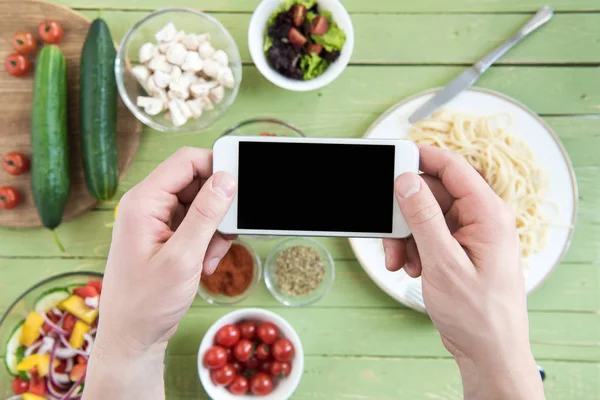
(543, 15)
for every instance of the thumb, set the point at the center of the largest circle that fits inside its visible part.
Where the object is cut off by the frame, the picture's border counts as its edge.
(192, 237)
(422, 213)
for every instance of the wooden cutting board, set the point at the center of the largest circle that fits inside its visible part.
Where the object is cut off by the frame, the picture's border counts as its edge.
(15, 109)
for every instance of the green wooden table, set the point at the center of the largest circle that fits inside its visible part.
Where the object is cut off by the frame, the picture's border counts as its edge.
(359, 343)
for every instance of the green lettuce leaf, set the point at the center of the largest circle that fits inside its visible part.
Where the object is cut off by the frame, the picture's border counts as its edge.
(334, 38)
(268, 43)
(312, 66)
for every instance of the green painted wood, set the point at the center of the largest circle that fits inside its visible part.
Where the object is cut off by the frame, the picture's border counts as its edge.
(458, 39)
(383, 6)
(572, 287)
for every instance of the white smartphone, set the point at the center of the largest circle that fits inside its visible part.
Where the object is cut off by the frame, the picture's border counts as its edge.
(315, 187)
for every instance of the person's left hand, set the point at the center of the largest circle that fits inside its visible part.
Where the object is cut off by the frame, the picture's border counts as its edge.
(163, 239)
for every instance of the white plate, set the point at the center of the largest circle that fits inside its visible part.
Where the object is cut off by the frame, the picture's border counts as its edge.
(551, 156)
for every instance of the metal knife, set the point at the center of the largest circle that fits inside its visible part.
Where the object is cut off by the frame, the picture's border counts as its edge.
(470, 75)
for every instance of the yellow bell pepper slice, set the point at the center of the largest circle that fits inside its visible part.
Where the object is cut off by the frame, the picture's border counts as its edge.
(43, 364)
(28, 362)
(76, 306)
(76, 340)
(31, 396)
(31, 329)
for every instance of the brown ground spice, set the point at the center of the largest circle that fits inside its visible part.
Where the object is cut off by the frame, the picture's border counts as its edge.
(233, 274)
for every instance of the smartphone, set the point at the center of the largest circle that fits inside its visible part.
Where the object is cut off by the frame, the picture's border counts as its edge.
(315, 187)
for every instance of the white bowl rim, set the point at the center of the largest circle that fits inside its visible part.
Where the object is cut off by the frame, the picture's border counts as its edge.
(256, 44)
(286, 387)
(121, 84)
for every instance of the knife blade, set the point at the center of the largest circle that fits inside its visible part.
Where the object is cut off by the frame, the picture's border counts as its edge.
(471, 74)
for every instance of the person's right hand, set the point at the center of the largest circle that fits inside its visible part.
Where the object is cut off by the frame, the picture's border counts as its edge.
(466, 249)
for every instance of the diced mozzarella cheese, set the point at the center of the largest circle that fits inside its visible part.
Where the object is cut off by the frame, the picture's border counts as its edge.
(162, 79)
(189, 77)
(179, 90)
(176, 54)
(217, 94)
(195, 107)
(159, 62)
(225, 77)
(176, 74)
(206, 50)
(211, 68)
(141, 73)
(221, 57)
(206, 103)
(177, 115)
(191, 41)
(167, 33)
(151, 105)
(192, 62)
(147, 52)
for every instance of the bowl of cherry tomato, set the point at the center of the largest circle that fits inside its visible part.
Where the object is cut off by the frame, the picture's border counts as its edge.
(250, 353)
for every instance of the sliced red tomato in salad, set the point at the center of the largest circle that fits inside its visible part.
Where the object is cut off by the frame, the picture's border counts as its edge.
(37, 384)
(20, 386)
(96, 285)
(69, 323)
(86, 291)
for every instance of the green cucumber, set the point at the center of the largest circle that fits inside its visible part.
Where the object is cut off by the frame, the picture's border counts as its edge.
(51, 299)
(99, 112)
(50, 181)
(11, 358)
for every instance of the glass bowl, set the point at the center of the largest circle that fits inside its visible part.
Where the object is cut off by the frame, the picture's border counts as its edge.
(221, 299)
(20, 308)
(315, 295)
(190, 21)
(258, 126)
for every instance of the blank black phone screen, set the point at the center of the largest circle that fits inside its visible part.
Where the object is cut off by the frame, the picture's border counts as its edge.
(316, 187)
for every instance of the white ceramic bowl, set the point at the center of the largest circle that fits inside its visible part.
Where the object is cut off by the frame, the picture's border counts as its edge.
(285, 387)
(256, 40)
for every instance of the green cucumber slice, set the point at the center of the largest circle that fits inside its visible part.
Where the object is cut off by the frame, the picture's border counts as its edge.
(51, 299)
(12, 348)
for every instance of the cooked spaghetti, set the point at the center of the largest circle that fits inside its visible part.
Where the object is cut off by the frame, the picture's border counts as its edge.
(505, 161)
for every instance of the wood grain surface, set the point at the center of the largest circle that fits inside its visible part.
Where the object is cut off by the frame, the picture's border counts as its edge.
(15, 103)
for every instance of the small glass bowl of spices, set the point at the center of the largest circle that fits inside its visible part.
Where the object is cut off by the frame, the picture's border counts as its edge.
(235, 278)
(299, 272)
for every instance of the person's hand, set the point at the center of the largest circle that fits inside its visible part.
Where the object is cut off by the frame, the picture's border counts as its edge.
(163, 238)
(465, 247)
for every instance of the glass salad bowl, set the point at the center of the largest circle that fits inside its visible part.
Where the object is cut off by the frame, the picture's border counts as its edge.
(265, 127)
(188, 21)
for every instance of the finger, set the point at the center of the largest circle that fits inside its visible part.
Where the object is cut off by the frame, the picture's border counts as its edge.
(188, 194)
(444, 199)
(458, 176)
(395, 253)
(178, 171)
(413, 259)
(229, 236)
(203, 217)
(217, 248)
(422, 214)
(178, 216)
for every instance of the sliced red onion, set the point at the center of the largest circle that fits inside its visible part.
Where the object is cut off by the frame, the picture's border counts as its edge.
(53, 326)
(68, 395)
(69, 350)
(56, 312)
(47, 345)
(69, 366)
(29, 351)
(92, 302)
(61, 380)
(92, 332)
(90, 342)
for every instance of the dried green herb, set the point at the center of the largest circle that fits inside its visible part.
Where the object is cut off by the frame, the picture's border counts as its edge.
(299, 270)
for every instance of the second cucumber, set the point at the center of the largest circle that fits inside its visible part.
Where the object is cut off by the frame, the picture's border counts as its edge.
(98, 102)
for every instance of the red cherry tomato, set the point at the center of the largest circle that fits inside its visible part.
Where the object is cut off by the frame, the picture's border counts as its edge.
(228, 335)
(242, 351)
(96, 285)
(267, 332)
(9, 197)
(263, 352)
(268, 134)
(247, 329)
(237, 366)
(15, 163)
(239, 385)
(77, 372)
(17, 65)
(280, 369)
(229, 354)
(215, 357)
(19, 386)
(223, 376)
(86, 291)
(261, 384)
(252, 364)
(37, 385)
(283, 350)
(50, 32)
(69, 323)
(24, 42)
(266, 366)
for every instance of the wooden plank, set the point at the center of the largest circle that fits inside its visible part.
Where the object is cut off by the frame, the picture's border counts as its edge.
(572, 287)
(458, 38)
(332, 378)
(389, 6)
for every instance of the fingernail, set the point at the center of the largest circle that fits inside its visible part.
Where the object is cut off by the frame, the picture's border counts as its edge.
(213, 264)
(407, 185)
(224, 184)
